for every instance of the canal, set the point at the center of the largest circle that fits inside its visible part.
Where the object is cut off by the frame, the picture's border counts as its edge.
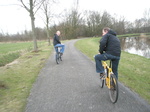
(136, 45)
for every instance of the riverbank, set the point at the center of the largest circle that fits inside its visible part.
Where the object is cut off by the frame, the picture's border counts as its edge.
(134, 35)
(133, 69)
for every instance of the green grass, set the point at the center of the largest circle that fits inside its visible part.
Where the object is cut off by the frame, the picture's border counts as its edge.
(11, 51)
(11, 47)
(16, 80)
(133, 69)
(135, 34)
(7, 58)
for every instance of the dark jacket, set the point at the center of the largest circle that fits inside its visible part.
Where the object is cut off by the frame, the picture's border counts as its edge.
(56, 40)
(110, 44)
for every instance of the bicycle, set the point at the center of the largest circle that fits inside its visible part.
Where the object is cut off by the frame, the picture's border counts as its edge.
(58, 55)
(110, 81)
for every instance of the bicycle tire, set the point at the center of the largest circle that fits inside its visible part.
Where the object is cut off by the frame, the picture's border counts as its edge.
(114, 90)
(60, 58)
(57, 58)
(102, 82)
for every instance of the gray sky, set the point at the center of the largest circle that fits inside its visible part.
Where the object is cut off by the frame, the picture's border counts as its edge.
(16, 19)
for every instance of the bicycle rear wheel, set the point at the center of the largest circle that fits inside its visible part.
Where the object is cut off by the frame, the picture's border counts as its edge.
(114, 90)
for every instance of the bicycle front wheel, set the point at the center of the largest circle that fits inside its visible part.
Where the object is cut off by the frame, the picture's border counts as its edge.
(57, 58)
(102, 80)
(114, 90)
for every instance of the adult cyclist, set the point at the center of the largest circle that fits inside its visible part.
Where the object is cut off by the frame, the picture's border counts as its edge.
(57, 43)
(109, 49)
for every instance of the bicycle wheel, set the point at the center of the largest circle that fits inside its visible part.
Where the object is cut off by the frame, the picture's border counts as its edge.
(102, 80)
(60, 57)
(57, 58)
(114, 90)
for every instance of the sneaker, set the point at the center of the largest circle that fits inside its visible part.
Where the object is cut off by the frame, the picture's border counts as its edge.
(101, 75)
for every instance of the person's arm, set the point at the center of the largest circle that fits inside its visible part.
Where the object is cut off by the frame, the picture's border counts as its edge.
(103, 43)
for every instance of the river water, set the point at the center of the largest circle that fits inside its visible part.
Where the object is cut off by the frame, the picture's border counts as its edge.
(136, 45)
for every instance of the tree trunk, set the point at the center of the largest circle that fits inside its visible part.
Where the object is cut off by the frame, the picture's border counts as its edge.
(48, 37)
(47, 31)
(33, 25)
(33, 34)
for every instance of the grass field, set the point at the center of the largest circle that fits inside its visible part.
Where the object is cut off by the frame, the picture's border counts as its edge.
(12, 51)
(133, 69)
(11, 47)
(17, 79)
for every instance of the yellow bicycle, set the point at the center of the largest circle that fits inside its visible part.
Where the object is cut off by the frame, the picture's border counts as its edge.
(110, 81)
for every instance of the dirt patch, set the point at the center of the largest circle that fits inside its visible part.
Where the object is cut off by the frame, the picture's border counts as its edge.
(36, 51)
(12, 63)
(32, 55)
(36, 54)
(42, 59)
(2, 85)
(29, 56)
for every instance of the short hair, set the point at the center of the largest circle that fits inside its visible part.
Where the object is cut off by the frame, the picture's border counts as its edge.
(106, 29)
(57, 31)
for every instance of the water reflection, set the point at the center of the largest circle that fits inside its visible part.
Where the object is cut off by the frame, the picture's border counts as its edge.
(136, 45)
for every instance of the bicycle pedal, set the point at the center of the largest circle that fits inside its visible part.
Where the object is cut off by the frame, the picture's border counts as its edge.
(102, 77)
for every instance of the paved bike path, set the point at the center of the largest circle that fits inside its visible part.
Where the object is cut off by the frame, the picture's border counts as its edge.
(73, 86)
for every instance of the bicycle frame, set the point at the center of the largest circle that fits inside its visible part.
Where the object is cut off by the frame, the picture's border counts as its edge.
(109, 72)
(110, 81)
(58, 49)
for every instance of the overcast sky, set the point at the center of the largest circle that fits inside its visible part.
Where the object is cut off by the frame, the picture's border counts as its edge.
(15, 19)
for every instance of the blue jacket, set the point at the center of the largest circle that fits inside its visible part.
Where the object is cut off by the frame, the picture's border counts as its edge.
(56, 40)
(110, 44)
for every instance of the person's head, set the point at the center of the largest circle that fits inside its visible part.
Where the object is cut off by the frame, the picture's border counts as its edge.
(58, 33)
(105, 30)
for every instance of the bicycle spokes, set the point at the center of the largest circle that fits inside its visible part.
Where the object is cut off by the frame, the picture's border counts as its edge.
(113, 92)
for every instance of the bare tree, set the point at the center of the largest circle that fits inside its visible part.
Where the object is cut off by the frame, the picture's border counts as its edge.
(33, 4)
(46, 9)
(147, 20)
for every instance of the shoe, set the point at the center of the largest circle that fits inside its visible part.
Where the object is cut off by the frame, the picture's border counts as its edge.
(101, 75)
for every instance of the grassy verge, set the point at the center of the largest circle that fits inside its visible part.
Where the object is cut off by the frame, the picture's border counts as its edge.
(7, 58)
(16, 80)
(133, 69)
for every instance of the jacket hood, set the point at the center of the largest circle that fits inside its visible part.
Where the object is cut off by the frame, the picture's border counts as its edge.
(112, 32)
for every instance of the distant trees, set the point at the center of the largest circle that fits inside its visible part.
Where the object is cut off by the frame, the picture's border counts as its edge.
(40, 34)
(87, 24)
(141, 25)
(70, 25)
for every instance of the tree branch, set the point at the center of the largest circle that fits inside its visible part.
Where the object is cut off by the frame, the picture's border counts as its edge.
(25, 6)
(41, 2)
